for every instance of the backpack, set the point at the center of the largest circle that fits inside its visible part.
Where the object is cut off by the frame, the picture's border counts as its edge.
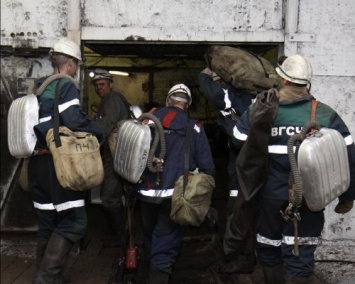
(241, 68)
(323, 166)
(320, 165)
(23, 116)
(135, 150)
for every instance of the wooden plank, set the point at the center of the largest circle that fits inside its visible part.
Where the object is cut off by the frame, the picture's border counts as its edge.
(93, 266)
(13, 271)
(28, 274)
(7, 261)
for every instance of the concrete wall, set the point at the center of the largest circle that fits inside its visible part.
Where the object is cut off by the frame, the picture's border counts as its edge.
(33, 24)
(325, 35)
(306, 27)
(184, 20)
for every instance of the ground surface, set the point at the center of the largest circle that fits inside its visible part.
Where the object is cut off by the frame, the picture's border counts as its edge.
(197, 264)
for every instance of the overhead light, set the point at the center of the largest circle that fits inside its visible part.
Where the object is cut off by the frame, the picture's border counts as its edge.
(119, 73)
(92, 74)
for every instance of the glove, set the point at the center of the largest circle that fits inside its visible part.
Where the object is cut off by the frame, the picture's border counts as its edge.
(207, 71)
(344, 206)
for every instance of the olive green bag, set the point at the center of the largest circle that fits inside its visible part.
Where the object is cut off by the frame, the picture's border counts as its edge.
(190, 205)
(191, 199)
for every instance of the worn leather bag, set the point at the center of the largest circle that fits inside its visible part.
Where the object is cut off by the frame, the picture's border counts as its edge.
(78, 164)
(252, 161)
(241, 68)
(190, 206)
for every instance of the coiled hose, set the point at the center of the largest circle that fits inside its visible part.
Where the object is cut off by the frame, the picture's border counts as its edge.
(295, 182)
(53, 78)
(296, 193)
(155, 164)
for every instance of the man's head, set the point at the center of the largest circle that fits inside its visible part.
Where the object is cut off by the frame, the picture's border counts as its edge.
(296, 69)
(102, 81)
(179, 95)
(66, 56)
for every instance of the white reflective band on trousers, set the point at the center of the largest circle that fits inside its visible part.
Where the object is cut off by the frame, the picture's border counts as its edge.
(157, 192)
(233, 193)
(288, 240)
(60, 207)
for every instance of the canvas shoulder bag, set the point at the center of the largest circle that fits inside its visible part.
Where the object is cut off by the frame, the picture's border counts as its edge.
(76, 155)
(192, 194)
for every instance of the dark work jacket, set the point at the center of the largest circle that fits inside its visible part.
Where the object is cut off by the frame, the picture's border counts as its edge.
(71, 114)
(231, 103)
(225, 97)
(113, 108)
(290, 119)
(175, 122)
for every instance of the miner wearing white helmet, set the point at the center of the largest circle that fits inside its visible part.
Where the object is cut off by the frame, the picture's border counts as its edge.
(161, 235)
(61, 213)
(179, 93)
(296, 69)
(66, 46)
(275, 237)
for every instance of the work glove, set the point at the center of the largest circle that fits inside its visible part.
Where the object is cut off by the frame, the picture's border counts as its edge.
(344, 206)
(207, 71)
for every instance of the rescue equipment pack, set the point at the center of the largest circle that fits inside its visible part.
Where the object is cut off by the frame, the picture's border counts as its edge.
(323, 172)
(135, 150)
(319, 170)
(23, 116)
(241, 68)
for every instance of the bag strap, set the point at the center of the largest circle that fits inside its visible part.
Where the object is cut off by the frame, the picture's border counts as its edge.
(313, 109)
(131, 204)
(57, 141)
(52, 78)
(186, 156)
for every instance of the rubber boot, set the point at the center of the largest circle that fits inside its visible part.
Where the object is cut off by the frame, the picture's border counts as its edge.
(58, 248)
(312, 279)
(274, 274)
(158, 277)
(144, 263)
(41, 248)
(115, 218)
(243, 264)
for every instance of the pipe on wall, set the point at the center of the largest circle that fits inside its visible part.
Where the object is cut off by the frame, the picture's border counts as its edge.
(74, 19)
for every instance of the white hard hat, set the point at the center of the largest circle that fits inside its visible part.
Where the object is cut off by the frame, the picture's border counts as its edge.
(296, 69)
(179, 88)
(68, 47)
